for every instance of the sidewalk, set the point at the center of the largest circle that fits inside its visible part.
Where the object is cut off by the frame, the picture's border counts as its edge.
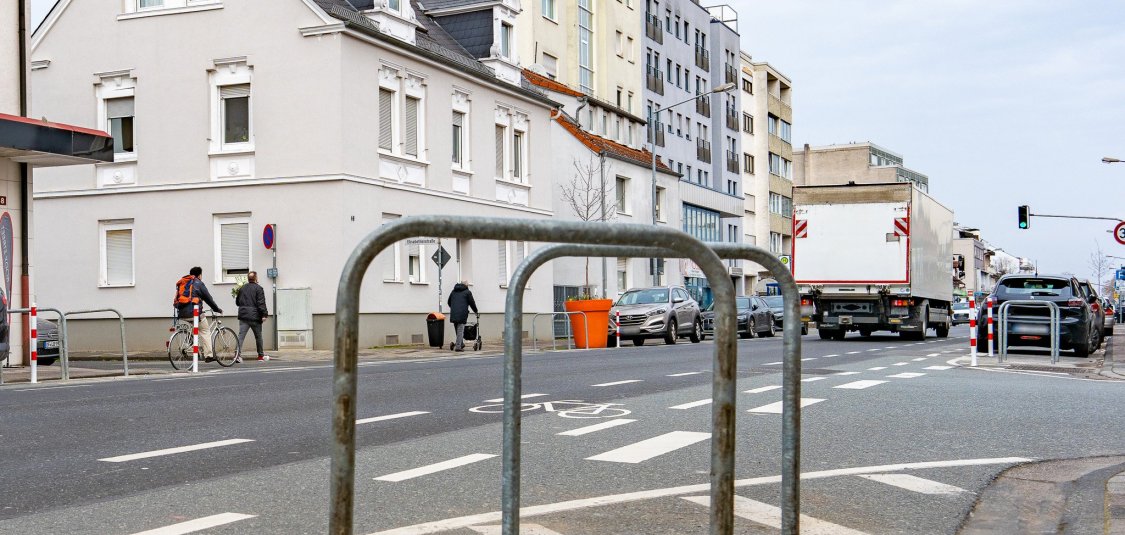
(1099, 365)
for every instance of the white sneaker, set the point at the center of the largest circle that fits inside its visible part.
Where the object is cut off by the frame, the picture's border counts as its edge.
(238, 359)
(264, 357)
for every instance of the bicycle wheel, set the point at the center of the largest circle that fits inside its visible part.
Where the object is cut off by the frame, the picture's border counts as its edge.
(224, 344)
(179, 350)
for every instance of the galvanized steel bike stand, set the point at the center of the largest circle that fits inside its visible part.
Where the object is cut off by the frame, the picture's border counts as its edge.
(791, 349)
(1052, 328)
(347, 337)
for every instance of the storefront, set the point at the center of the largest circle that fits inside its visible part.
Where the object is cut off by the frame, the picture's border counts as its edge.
(704, 225)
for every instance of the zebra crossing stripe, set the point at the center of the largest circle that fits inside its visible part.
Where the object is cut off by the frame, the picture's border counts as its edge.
(769, 515)
(914, 483)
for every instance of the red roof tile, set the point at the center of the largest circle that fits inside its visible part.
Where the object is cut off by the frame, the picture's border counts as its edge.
(547, 83)
(612, 148)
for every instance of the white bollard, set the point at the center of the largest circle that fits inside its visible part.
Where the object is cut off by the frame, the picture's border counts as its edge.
(195, 340)
(988, 303)
(617, 320)
(34, 345)
(973, 329)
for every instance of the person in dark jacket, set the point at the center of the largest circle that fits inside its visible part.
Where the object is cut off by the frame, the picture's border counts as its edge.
(190, 290)
(460, 301)
(251, 302)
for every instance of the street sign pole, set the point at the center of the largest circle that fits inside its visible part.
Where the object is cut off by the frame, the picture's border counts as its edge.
(439, 270)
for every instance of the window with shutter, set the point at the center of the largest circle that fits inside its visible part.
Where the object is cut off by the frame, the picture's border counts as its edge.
(118, 256)
(234, 249)
(500, 151)
(119, 111)
(236, 113)
(502, 250)
(390, 258)
(386, 110)
(520, 253)
(411, 126)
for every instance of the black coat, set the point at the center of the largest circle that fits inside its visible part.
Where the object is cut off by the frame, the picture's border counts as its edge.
(251, 302)
(460, 301)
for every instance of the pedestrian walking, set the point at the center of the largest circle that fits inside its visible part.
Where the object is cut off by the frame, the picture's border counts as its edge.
(190, 291)
(460, 301)
(251, 302)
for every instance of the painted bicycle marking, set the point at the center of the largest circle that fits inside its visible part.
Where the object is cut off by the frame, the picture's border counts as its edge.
(566, 408)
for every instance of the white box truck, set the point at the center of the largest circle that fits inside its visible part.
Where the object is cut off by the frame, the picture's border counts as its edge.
(873, 257)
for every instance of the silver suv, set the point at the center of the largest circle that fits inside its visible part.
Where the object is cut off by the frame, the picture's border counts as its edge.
(667, 312)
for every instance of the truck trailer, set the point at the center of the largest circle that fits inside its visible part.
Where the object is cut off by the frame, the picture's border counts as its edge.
(873, 257)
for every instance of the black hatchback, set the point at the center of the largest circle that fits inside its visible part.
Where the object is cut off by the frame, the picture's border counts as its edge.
(1030, 325)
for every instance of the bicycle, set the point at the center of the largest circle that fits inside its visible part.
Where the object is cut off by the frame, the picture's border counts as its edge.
(224, 343)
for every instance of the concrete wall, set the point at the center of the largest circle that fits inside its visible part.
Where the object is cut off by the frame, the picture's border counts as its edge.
(836, 166)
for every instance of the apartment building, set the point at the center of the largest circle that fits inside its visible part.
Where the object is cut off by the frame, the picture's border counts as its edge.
(688, 50)
(318, 116)
(862, 163)
(766, 122)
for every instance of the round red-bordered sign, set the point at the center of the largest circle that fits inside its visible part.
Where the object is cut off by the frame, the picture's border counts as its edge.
(1119, 233)
(268, 236)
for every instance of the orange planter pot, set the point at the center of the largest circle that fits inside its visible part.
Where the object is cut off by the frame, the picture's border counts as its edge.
(597, 314)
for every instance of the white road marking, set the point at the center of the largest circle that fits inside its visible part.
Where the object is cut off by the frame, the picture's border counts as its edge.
(900, 364)
(830, 356)
(934, 355)
(873, 349)
(937, 367)
(436, 467)
(653, 447)
(891, 347)
(772, 363)
(770, 515)
(683, 374)
(199, 524)
(853, 352)
(919, 359)
(775, 408)
(914, 483)
(596, 427)
(811, 379)
(693, 404)
(525, 529)
(390, 417)
(907, 375)
(448, 524)
(171, 451)
(877, 368)
(525, 396)
(810, 358)
(47, 388)
(848, 373)
(761, 389)
(615, 383)
(860, 385)
(183, 378)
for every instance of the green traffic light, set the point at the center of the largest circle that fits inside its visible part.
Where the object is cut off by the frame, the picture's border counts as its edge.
(1023, 224)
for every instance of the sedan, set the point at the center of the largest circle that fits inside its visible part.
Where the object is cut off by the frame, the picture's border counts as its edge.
(48, 341)
(1110, 317)
(777, 304)
(960, 313)
(754, 318)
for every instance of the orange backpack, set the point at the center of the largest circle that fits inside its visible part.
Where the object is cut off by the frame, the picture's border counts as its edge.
(185, 292)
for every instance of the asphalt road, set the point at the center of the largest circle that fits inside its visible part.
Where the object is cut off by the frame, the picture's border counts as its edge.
(894, 441)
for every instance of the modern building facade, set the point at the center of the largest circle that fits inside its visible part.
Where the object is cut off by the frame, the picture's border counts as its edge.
(862, 163)
(766, 123)
(689, 50)
(320, 117)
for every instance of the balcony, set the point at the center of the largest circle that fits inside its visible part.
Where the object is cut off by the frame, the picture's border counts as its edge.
(653, 30)
(654, 80)
(703, 106)
(659, 135)
(703, 150)
(731, 116)
(702, 58)
(730, 73)
(732, 162)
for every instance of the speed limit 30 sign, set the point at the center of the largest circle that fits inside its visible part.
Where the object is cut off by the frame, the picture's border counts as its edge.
(1119, 233)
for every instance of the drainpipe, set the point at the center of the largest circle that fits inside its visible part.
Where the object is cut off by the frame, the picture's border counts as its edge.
(25, 177)
(578, 111)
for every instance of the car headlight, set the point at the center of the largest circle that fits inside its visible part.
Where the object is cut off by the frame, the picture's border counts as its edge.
(656, 312)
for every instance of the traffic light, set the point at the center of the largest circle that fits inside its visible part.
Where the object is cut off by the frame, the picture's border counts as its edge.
(1025, 217)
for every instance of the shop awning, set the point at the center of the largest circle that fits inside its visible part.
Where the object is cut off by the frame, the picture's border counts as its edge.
(46, 144)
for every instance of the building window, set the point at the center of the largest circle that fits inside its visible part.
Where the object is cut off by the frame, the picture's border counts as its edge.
(622, 274)
(747, 86)
(117, 253)
(386, 119)
(517, 156)
(235, 110)
(415, 270)
(780, 166)
(702, 223)
(772, 124)
(786, 131)
(146, 4)
(781, 205)
(585, 42)
(747, 123)
(775, 243)
(501, 136)
(660, 204)
(630, 53)
(392, 256)
(119, 111)
(551, 65)
(619, 44)
(506, 40)
(549, 9)
(458, 138)
(410, 126)
(509, 255)
(748, 163)
(232, 247)
(622, 190)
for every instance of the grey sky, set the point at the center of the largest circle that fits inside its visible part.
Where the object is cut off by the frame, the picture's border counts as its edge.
(1001, 103)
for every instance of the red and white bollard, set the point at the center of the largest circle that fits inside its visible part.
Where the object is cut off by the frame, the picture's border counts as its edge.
(195, 339)
(973, 329)
(988, 303)
(617, 320)
(34, 345)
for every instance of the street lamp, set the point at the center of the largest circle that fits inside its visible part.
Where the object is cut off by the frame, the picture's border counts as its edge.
(652, 114)
(1107, 159)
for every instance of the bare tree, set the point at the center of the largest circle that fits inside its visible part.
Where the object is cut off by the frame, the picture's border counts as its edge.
(1003, 266)
(1100, 265)
(589, 192)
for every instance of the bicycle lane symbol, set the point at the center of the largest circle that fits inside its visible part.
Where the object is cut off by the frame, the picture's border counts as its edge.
(567, 408)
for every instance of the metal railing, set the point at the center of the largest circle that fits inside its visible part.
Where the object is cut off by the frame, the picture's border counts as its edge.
(347, 338)
(702, 58)
(1052, 328)
(703, 106)
(703, 150)
(63, 360)
(124, 353)
(653, 30)
(654, 80)
(730, 74)
(569, 337)
(731, 116)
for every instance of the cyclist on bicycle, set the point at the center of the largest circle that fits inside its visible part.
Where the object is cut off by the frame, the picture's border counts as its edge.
(190, 290)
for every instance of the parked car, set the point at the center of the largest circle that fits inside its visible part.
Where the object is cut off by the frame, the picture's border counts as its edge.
(1029, 325)
(754, 318)
(776, 304)
(1095, 306)
(1110, 317)
(47, 343)
(960, 313)
(667, 312)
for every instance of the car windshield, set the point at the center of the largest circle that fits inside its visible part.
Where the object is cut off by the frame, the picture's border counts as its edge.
(644, 297)
(774, 301)
(961, 306)
(741, 303)
(1036, 287)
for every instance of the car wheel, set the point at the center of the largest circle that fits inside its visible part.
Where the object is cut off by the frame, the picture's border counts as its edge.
(1082, 351)
(638, 342)
(769, 333)
(696, 335)
(672, 334)
(804, 329)
(751, 328)
(46, 361)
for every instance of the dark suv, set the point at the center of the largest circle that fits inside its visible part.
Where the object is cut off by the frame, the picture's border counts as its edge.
(1029, 325)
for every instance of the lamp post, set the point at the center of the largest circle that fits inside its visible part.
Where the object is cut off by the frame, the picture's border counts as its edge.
(652, 114)
(1107, 159)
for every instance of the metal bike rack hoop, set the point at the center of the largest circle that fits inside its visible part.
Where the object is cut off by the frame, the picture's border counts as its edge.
(569, 338)
(1052, 329)
(347, 338)
(63, 355)
(120, 317)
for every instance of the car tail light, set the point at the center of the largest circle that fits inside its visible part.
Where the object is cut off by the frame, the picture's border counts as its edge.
(1095, 307)
(1074, 302)
(806, 302)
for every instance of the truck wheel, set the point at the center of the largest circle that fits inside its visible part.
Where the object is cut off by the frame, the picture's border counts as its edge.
(942, 330)
(866, 333)
(839, 335)
(825, 334)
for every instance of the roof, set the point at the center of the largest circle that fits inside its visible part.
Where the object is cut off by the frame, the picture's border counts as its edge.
(612, 149)
(539, 80)
(43, 143)
(433, 5)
